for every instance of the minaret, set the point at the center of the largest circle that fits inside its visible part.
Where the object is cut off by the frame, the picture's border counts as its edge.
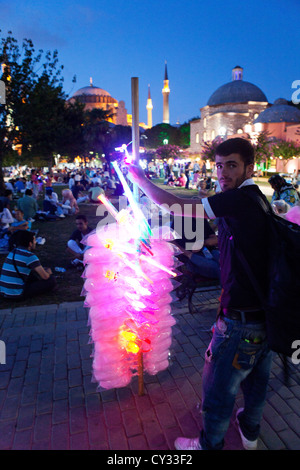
(149, 108)
(166, 92)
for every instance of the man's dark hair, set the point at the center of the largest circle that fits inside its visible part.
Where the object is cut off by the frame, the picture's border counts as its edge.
(81, 217)
(237, 145)
(7, 192)
(28, 192)
(24, 237)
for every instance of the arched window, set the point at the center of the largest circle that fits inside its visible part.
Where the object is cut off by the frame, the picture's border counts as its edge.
(197, 138)
(205, 136)
(213, 134)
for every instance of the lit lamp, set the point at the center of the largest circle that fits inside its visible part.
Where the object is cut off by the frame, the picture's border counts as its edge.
(222, 131)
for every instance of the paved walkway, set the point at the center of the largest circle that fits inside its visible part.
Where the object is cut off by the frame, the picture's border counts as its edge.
(47, 399)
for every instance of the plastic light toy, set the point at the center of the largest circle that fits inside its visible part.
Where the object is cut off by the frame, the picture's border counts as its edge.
(127, 287)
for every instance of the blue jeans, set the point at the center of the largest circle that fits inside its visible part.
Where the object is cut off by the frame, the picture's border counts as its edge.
(207, 267)
(237, 355)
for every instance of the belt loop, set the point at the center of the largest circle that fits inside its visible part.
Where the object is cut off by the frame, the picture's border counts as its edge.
(243, 317)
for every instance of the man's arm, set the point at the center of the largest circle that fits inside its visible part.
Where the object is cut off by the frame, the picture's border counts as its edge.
(44, 273)
(170, 202)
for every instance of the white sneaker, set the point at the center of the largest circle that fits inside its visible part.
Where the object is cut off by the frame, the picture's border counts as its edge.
(182, 443)
(248, 445)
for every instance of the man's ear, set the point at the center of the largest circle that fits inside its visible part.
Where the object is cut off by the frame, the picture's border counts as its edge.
(250, 170)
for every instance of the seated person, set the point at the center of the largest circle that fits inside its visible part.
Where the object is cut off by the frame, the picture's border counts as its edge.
(6, 219)
(283, 190)
(22, 274)
(94, 192)
(204, 262)
(77, 189)
(204, 189)
(6, 199)
(19, 222)
(171, 179)
(19, 185)
(181, 181)
(69, 203)
(51, 203)
(28, 205)
(111, 183)
(75, 247)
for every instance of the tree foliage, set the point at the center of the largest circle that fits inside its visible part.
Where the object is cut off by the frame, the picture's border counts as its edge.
(168, 151)
(208, 151)
(285, 150)
(157, 135)
(35, 115)
(263, 148)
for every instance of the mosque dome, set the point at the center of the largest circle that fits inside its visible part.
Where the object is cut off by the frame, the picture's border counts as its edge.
(91, 94)
(236, 91)
(280, 111)
(91, 90)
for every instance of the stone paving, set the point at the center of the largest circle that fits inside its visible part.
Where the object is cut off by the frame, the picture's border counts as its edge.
(48, 402)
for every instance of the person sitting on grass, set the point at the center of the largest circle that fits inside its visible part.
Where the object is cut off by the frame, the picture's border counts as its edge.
(52, 204)
(69, 203)
(75, 247)
(22, 274)
(28, 205)
(19, 222)
(94, 192)
(77, 191)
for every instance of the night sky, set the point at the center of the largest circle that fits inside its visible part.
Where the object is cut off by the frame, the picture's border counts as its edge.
(112, 41)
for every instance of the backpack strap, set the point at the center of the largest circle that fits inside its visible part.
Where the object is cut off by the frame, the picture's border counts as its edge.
(16, 268)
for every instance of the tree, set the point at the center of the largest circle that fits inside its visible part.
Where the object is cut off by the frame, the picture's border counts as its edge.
(263, 148)
(168, 151)
(208, 151)
(285, 150)
(35, 114)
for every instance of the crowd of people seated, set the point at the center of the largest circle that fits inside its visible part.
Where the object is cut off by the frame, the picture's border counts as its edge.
(35, 198)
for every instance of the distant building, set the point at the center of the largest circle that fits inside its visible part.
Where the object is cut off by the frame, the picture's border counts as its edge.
(94, 97)
(229, 109)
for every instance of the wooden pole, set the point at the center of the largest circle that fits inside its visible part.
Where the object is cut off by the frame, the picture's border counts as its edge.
(135, 128)
(136, 155)
(140, 374)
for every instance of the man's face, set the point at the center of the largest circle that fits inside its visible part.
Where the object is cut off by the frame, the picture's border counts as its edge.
(32, 245)
(18, 216)
(81, 225)
(232, 171)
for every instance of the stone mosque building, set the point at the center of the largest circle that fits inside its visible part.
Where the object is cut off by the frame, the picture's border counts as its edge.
(240, 108)
(229, 109)
(94, 97)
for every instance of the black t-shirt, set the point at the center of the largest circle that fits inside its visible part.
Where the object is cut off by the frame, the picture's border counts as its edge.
(78, 236)
(248, 225)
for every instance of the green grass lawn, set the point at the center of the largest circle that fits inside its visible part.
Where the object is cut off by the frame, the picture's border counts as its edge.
(53, 253)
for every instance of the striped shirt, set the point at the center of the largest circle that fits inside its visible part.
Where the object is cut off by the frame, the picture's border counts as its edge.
(11, 284)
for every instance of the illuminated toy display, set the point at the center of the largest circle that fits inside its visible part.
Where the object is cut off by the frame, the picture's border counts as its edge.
(128, 272)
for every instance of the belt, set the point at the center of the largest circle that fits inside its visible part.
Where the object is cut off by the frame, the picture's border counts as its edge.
(244, 316)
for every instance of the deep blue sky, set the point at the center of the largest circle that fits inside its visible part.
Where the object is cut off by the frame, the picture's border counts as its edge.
(112, 41)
